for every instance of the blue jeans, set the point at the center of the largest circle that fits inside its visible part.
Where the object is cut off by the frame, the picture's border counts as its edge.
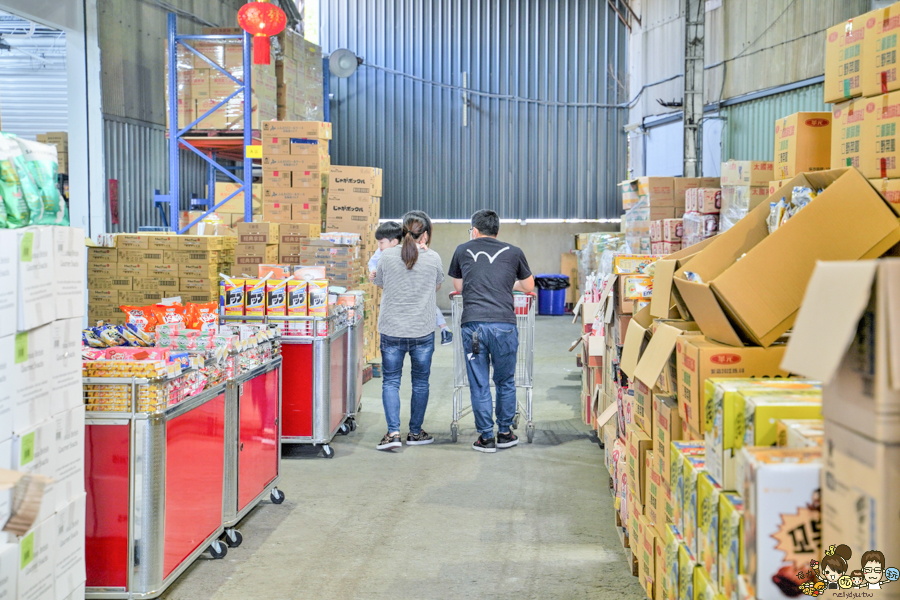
(498, 345)
(393, 352)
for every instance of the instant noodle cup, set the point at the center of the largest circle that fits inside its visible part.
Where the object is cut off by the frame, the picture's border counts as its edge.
(255, 297)
(168, 314)
(203, 316)
(140, 316)
(231, 296)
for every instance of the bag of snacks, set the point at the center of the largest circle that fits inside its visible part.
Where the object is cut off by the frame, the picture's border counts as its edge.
(140, 316)
(168, 314)
(14, 205)
(42, 164)
(203, 317)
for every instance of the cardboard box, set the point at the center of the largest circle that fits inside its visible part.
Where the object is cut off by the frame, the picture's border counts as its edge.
(37, 561)
(860, 503)
(9, 570)
(291, 195)
(735, 294)
(34, 450)
(307, 213)
(275, 212)
(32, 359)
(201, 242)
(849, 121)
(852, 350)
(658, 191)
(132, 241)
(9, 264)
(191, 257)
(167, 285)
(686, 566)
(879, 137)
(102, 255)
(234, 193)
(802, 143)
(69, 562)
(36, 301)
(257, 233)
(296, 162)
(800, 433)
(889, 190)
(706, 201)
(708, 491)
(780, 491)
(680, 185)
(110, 297)
(186, 284)
(364, 181)
(844, 51)
(665, 247)
(142, 256)
(731, 543)
(298, 129)
(672, 230)
(669, 580)
(638, 444)
(646, 554)
(67, 381)
(276, 178)
(140, 298)
(879, 52)
(311, 147)
(194, 271)
(694, 468)
(68, 272)
(256, 254)
(69, 471)
(667, 428)
(699, 359)
(753, 173)
(643, 406)
(704, 588)
(121, 269)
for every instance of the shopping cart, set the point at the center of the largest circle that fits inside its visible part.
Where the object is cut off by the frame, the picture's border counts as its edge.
(525, 308)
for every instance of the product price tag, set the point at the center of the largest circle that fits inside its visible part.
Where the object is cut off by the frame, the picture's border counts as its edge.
(21, 348)
(26, 247)
(27, 448)
(254, 152)
(27, 550)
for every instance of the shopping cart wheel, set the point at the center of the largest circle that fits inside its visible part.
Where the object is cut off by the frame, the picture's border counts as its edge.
(454, 432)
(529, 432)
(515, 423)
(217, 549)
(352, 424)
(344, 430)
(233, 537)
(277, 496)
(327, 451)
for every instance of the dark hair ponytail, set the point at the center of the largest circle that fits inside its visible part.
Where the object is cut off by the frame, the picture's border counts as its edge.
(836, 558)
(415, 224)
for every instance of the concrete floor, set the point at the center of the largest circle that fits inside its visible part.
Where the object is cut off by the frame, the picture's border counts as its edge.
(439, 521)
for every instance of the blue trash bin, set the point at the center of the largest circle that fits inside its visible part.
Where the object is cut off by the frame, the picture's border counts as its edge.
(551, 293)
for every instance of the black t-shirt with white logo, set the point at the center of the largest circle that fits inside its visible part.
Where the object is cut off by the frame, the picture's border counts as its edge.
(489, 269)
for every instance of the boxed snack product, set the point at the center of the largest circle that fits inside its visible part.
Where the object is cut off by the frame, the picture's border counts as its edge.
(673, 542)
(731, 543)
(686, 565)
(800, 433)
(708, 492)
(681, 451)
(694, 470)
(672, 230)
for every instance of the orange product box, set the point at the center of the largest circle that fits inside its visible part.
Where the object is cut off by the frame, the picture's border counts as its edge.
(231, 296)
(254, 297)
(276, 297)
(297, 306)
(277, 271)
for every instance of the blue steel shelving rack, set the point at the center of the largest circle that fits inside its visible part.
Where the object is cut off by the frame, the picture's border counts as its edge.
(177, 135)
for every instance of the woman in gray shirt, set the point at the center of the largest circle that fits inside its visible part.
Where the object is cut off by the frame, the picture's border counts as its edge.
(410, 274)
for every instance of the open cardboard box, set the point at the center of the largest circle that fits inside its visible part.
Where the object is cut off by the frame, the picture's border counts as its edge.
(666, 302)
(848, 337)
(752, 283)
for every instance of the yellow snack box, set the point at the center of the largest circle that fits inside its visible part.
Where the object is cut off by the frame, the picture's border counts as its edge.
(231, 296)
(254, 297)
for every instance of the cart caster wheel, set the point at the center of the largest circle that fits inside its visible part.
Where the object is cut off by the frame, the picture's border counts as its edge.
(218, 550)
(327, 451)
(277, 496)
(233, 538)
(529, 432)
(344, 430)
(515, 423)
(353, 425)
(454, 432)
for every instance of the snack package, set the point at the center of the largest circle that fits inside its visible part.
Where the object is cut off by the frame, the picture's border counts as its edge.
(110, 335)
(139, 316)
(15, 206)
(132, 337)
(168, 313)
(90, 338)
(204, 316)
(42, 165)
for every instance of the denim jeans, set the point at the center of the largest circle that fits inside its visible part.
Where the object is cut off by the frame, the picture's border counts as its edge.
(393, 352)
(498, 345)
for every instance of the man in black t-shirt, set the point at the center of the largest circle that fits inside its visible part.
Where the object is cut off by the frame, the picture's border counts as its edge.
(487, 271)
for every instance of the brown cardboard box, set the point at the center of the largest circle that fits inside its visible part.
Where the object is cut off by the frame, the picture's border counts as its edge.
(167, 285)
(110, 282)
(277, 212)
(186, 284)
(130, 240)
(297, 233)
(201, 242)
(141, 256)
(309, 179)
(102, 255)
(255, 254)
(879, 137)
(295, 162)
(298, 129)
(847, 221)
(354, 215)
(292, 195)
(162, 242)
(188, 257)
(844, 51)
(667, 428)
(638, 443)
(131, 269)
(98, 269)
(753, 173)
(365, 181)
(276, 144)
(643, 406)
(257, 233)
(107, 314)
(659, 191)
(224, 189)
(802, 143)
(141, 298)
(162, 269)
(849, 121)
(879, 51)
(210, 271)
(307, 213)
(103, 297)
(568, 266)
(858, 363)
(774, 186)
(680, 185)
(305, 146)
(199, 297)
(889, 190)
(276, 178)
(699, 359)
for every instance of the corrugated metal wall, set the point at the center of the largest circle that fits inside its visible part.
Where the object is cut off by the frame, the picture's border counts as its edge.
(749, 133)
(524, 160)
(32, 75)
(137, 158)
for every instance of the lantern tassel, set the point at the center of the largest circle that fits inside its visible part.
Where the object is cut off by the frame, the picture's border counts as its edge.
(261, 54)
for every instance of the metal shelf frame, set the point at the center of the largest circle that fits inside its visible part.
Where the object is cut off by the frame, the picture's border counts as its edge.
(178, 135)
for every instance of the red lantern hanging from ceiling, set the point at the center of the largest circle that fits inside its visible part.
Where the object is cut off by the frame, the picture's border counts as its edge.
(261, 20)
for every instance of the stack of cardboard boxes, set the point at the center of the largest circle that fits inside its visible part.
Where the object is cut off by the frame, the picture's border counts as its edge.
(60, 139)
(256, 244)
(354, 202)
(300, 78)
(295, 166)
(42, 413)
(142, 269)
(201, 87)
(861, 80)
(745, 185)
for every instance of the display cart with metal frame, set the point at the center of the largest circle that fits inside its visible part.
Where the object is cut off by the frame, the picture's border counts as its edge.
(252, 444)
(525, 312)
(314, 377)
(356, 340)
(154, 473)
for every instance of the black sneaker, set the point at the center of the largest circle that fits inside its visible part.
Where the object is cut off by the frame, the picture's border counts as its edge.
(389, 442)
(507, 440)
(446, 337)
(420, 439)
(483, 445)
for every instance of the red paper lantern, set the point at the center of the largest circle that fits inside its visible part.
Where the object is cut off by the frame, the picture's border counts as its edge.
(261, 20)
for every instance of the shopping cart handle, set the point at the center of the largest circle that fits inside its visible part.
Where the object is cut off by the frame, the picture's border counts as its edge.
(455, 294)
